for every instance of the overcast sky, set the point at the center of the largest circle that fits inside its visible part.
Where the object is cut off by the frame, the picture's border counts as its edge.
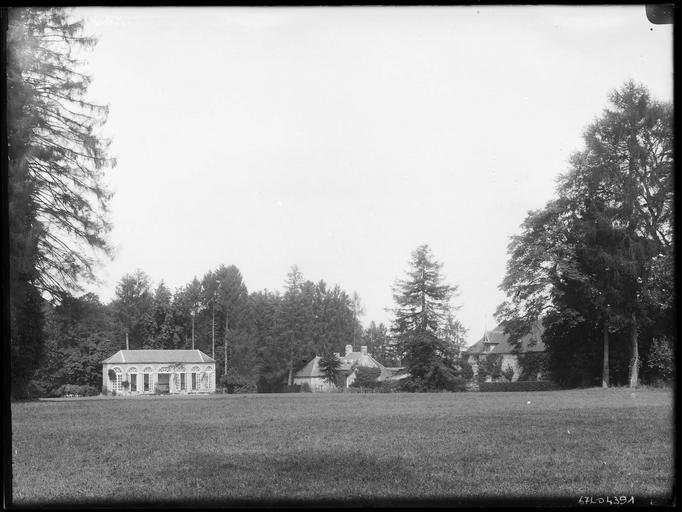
(340, 139)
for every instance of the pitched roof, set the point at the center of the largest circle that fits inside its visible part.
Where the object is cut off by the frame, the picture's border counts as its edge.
(159, 356)
(312, 368)
(497, 338)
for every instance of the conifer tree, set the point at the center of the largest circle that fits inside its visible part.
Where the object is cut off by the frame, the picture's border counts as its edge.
(56, 158)
(423, 303)
(330, 365)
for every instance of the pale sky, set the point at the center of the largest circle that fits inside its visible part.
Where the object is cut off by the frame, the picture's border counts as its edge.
(340, 139)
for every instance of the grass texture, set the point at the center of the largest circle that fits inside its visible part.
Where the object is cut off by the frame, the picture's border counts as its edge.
(345, 448)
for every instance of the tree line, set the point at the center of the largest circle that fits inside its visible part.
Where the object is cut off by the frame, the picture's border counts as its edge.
(58, 210)
(259, 339)
(594, 266)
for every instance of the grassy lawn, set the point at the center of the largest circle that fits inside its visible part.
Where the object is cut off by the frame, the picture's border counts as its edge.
(345, 447)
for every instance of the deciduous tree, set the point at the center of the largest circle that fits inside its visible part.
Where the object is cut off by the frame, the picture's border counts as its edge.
(593, 258)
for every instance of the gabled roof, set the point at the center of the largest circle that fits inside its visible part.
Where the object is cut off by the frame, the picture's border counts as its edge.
(496, 338)
(159, 356)
(312, 369)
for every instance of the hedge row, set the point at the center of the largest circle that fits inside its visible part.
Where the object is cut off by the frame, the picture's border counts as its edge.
(530, 385)
(76, 390)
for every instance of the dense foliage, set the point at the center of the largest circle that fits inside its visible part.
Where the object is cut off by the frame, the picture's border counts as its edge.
(80, 334)
(532, 365)
(366, 377)
(258, 339)
(489, 365)
(596, 263)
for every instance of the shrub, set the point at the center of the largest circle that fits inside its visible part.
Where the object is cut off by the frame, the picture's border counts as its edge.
(233, 382)
(459, 383)
(490, 365)
(296, 388)
(390, 386)
(305, 387)
(508, 373)
(537, 385)
(37, 389)
(366, 377)
(533, 364)
(467, 372)
(77, 390)
(248, 387)
(660, 361)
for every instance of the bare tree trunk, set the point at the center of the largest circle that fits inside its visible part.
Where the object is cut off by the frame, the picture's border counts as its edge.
(634, 357)
(226, 341)
(290, 381)
(605, 368)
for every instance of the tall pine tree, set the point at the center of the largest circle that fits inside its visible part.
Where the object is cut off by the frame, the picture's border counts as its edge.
(56, 158)
(423, 307)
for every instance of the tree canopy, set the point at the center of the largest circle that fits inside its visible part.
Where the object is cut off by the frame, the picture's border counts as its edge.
(594, 263)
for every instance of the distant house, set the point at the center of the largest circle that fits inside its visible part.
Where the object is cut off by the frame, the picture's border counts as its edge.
(158, 371)
(312, 375)
(496, 342)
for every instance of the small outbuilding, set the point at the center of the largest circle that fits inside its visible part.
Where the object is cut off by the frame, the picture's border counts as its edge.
(148, 372)
(315, 380)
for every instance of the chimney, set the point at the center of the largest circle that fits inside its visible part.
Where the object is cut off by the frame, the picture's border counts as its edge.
(349, 349)
(363, 349)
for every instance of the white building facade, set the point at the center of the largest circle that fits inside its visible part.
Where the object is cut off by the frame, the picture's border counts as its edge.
(149, 372)
(312, 377)
(495, 345)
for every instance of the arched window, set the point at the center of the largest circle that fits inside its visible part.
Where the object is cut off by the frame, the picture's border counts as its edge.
(195, 378)
(132, 375)
(147, 379)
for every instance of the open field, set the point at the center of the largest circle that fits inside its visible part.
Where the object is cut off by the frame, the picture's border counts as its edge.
(346, 447)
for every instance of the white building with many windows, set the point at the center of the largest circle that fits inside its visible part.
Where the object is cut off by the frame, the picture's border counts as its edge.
(144, 372)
